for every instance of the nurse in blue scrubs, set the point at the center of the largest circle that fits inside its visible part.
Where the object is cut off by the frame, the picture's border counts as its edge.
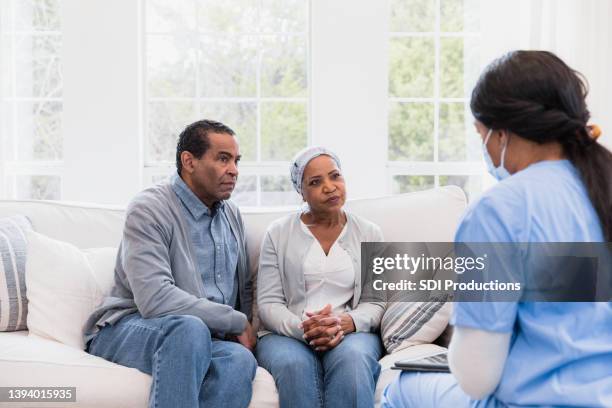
(555, 185)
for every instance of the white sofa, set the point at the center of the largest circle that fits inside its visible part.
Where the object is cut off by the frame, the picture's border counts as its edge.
(30, 360)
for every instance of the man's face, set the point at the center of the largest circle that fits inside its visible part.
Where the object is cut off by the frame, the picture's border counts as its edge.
(213, 176)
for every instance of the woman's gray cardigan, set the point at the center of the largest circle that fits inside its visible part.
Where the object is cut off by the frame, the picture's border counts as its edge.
(281, 292)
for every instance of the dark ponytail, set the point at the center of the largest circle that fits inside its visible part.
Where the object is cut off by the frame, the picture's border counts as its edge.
(594, 162)
(535, 95)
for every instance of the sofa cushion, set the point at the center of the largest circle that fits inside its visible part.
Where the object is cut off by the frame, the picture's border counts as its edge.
(82, 225)
(424, 216)
(33, 361)
(64, 288)
(13, 301)
(29, 360)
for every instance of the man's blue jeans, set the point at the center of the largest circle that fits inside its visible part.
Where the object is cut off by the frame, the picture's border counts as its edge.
(189, 368)
(344, 376)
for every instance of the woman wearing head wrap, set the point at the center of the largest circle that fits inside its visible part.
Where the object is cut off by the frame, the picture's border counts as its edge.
(555, 186)
(319, 343)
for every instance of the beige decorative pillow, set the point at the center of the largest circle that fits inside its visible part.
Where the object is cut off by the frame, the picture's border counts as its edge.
(64, 284)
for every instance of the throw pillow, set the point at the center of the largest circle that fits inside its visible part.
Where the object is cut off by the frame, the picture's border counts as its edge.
(65, 284)
(13, 300)
(406, 324)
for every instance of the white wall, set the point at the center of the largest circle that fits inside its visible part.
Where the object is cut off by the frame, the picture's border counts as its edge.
(350, 88)
(594, 59)
(578, 31)
(102, 119)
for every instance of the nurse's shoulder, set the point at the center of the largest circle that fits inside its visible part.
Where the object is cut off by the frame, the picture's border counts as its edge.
(503, 213)
(497, 215)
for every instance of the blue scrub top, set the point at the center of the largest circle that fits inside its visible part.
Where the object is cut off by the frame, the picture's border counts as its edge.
(561, 353)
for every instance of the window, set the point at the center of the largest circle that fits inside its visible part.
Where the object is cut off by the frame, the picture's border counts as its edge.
(387, 94)
(31, 98)
(433, 65)
(244, 63)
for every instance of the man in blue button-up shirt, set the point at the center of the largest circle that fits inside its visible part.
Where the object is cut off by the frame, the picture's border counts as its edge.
(182, 285)
(215, 246)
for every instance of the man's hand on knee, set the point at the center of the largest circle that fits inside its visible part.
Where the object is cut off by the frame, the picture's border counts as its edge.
(248, 338)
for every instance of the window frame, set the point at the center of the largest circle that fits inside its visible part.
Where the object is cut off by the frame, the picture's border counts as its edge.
(435, 167)
(257, 167)
(347, 103)
(11, 165)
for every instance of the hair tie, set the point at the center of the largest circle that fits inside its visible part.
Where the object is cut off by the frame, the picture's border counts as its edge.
(594, 131)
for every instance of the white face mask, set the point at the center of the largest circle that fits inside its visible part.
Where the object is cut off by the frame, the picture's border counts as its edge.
(500, 172)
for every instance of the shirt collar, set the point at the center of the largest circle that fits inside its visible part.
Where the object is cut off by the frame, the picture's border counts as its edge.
(193, 204)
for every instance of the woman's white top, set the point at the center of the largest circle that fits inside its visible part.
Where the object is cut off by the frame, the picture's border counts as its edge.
(281, 281)
(328, 278)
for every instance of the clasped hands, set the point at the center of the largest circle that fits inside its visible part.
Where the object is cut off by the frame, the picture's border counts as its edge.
(324, 330)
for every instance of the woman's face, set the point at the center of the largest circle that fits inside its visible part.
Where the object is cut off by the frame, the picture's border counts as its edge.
(323, 186)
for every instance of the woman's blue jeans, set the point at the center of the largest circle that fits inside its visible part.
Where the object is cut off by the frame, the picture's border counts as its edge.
(189, 368)
(344, 376)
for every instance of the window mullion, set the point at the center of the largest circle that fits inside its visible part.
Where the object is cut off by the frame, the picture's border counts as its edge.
(14, 141)
(198, 56)
(146, 178)
(437, 87)
(278, 106)
(258, 97)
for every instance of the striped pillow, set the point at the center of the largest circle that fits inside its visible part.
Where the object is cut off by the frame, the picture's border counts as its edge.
(13, 301)
(406, 324)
